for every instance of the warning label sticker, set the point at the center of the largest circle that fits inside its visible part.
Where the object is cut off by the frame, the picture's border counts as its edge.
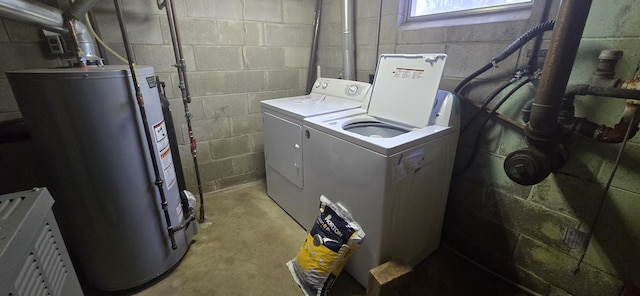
(164, 150)
(408, 73)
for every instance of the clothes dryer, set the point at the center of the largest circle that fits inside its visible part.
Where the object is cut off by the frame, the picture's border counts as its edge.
(283, 148)
(390, 162)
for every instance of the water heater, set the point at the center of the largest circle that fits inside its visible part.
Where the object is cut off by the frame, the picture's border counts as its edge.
(90, 141)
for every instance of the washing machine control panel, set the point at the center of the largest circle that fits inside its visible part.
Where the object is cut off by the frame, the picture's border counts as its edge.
(341, 88)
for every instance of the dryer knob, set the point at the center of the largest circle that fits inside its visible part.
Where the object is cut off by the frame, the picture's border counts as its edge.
(325, 85)
(317, 84)
(352, 90)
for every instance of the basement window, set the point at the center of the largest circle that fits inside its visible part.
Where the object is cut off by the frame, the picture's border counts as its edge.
(435, 13)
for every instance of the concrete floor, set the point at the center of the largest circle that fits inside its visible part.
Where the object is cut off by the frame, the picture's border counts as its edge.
(242, 247)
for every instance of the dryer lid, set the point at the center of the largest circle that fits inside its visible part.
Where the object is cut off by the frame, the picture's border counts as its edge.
(405, 87)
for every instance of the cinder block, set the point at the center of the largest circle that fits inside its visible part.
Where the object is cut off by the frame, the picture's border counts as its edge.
(23, 56)
(197, 31)
(216, 169)
(231, 33)
(569, 195)
(389, 29)
(227, 10)
(330, 57)
(254, 33)
(4, 37)
(246, 124)
(218, 58)
(463, 61)
(557, 268)
(296, 92)
(203, 152)
(257, 142)
(366, 30)
(210, 129)
(366, 59)
(232, 146)
(264, 57)
(482, 240)
(21, 32)
(297, 57)
(244, 81)
(616, 238)
(529, 218)
(298, 12)
(627, 176)
(255, 98)
(263, 10)
(248, 163)
(421, 48)
(331, 34)
(141, 28)
(238, 180)
(428, 35)
(203, 83)
(488, 32)
(331, 12)
(389, 279)
(225, 105)
(625, 13)
(287, 35)
(160, 57)
(283, 79)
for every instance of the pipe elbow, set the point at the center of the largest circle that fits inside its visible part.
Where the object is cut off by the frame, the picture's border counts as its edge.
(618, 132)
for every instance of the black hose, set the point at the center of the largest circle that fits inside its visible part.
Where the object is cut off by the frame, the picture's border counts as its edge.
(476, 143)
(485, 104)
(515, 45)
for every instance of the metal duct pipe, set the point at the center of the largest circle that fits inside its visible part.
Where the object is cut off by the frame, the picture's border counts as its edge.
(348, 41)
(312, 73)
(51, 18)
(34, 13)
(570, 22)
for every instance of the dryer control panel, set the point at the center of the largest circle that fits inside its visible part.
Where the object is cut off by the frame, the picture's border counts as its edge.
(347, 89)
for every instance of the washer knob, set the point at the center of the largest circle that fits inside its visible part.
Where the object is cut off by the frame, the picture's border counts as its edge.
(317, 84)
(325, 84)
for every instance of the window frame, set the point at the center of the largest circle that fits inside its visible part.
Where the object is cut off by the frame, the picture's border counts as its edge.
(505, 12)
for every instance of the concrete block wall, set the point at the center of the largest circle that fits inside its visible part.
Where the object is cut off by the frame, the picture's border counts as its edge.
(237, 52)
(514, 230)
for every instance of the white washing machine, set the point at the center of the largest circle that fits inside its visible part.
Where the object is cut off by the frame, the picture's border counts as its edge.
(283, 147)
(389, 163)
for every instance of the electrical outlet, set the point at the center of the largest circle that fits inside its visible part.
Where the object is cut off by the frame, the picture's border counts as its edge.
(55, 42)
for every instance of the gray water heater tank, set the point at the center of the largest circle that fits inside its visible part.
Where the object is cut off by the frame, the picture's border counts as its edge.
(89, 137)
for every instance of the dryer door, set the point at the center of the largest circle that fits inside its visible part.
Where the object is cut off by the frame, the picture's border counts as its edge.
(283, 147)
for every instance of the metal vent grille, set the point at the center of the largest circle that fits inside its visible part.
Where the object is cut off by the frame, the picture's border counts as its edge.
(7, 207)
(44, 271)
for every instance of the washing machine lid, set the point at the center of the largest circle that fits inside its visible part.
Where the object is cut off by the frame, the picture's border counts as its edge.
(405, 87)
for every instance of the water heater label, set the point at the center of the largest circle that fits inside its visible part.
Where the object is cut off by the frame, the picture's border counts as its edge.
(164, 150)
